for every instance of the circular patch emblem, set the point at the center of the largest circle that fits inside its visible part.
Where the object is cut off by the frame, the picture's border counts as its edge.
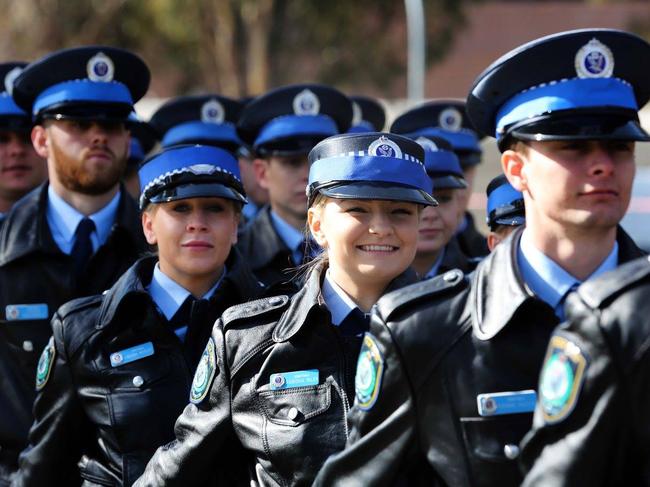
(594, 60)
(100, 68)
(450, 119)
(370, 367)
(357, 116)
(561, 379)
(306, 103)
(44, 366)
(427, 144)
(384, 147)
(10, 77)
(204, 373)
(212, 112)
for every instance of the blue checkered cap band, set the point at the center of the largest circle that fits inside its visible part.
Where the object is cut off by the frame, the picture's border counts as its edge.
(82, 90)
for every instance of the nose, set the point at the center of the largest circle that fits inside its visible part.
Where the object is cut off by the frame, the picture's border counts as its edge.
(430, 213)
(16, 146)
(197, 222)
(601, 161)
(98, 134)
(380, 225)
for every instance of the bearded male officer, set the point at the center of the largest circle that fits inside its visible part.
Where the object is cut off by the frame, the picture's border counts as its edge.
(74, 236)
(446, 375)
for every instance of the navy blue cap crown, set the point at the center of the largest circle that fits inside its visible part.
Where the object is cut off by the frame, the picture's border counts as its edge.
(369, 166)
(505, 204)
(581, 84)
(200, 119)
(441, 163)
(190, 171)
(11, 115)
(93, 82)
(293, 119)
(368, 115)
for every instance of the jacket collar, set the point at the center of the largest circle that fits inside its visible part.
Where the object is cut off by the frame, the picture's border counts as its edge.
(25, 229)
(271, 245)
(309, 297)
(454, 258)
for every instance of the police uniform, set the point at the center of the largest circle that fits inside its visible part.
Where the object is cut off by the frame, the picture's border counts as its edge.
(38, 270)
(368, 115)
(458, 397)
(287, 121)
(116, 374)
(279, 371)
(505, 205)
(448, 119)
(590, 425)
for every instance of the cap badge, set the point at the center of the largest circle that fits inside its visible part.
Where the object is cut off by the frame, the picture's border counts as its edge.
(100, 68)
(450, 119)
(357, 116)
(201, 169)
(10, 77)
(427, 144)
(212, 112)
(594, 60)
(306, 103)
(384, 147)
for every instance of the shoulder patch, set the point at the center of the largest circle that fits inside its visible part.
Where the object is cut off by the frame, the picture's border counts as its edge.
(254, 308)
(597, 292)
(205, 373)
(45, 363)
(561, 379)
(370, 368)
(438, 285)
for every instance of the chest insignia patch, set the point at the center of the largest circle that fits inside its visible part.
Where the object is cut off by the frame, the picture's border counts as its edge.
(561, 379)
(45, 364)
(370, 368)
(205, 373)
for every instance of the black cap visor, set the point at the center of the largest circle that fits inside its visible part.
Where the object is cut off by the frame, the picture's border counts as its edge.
(197, 190)
(293, 146)
(109, 112)
(448, 181)
(507, 221)
(375, 191)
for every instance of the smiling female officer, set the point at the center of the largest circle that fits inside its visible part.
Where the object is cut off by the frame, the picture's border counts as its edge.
(285, 389)
(117, 371)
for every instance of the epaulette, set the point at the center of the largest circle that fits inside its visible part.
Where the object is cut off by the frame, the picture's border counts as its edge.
(437, 286)
(598, 292)
(78, 304)
(254, 308)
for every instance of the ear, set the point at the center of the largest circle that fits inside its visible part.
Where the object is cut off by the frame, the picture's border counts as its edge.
(512, 163)
(314, 220)
(147, 226)
(41, 141)
(260, 168)
(235, 228)
(492, 240)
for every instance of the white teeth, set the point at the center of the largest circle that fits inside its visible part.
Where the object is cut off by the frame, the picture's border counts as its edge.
(377, 248)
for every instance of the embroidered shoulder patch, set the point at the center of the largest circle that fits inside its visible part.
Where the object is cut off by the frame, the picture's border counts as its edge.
(205, 373)
(370, 368)
(561, 379)
(45, 364)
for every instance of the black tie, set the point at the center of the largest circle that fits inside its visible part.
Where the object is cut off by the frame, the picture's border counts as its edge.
(83, 247)
(182, 316)
(355, 323)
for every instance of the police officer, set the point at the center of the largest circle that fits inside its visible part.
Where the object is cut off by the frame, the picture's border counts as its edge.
(143, 140)
(448, 119)
(281, 127)
(136, 346)
(438, 249)
(457, 397)
(76, 235)
(279, 371)
(505, 210)
(21, 168)
(368, 115)
(591, 424)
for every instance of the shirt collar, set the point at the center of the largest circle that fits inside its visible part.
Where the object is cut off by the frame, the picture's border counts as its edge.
(291, 237)
(547, 279)
(169, 295)
(339, 304)
(436, 265)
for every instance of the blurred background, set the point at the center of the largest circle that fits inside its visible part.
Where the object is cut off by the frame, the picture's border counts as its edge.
(245, 47)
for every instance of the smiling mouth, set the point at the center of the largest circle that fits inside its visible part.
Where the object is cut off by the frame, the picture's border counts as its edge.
(16, 168)
(197, 245)
(378, 248)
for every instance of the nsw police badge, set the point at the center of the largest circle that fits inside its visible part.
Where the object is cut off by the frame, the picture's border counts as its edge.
(204, 373)
(384, 147)
(370, 368)
(45, 364)
(306, 103)
(561, 379)
(212, 112)
(594, 60)
(100, 68)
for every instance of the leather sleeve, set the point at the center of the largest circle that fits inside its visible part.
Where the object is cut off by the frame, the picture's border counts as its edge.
(203, 431)
(383, 436)
(56, 436)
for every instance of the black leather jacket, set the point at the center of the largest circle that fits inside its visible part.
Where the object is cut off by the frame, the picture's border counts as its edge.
(288, 433)
(472, 242)
(444, 341)
(607, 418)
(33, 270)
(113, 418)
(454, 258)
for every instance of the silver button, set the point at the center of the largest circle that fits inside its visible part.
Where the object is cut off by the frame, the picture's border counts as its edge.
(451, 276)
(511, 451)
(293, 414)
(276, 301)
(28, 346)
(138, 381)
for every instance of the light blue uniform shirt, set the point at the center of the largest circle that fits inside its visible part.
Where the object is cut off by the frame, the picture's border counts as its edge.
(336, 299)
(548, 281)
(433, 272)
(250, 210)
(291, 237)
(63, 220)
